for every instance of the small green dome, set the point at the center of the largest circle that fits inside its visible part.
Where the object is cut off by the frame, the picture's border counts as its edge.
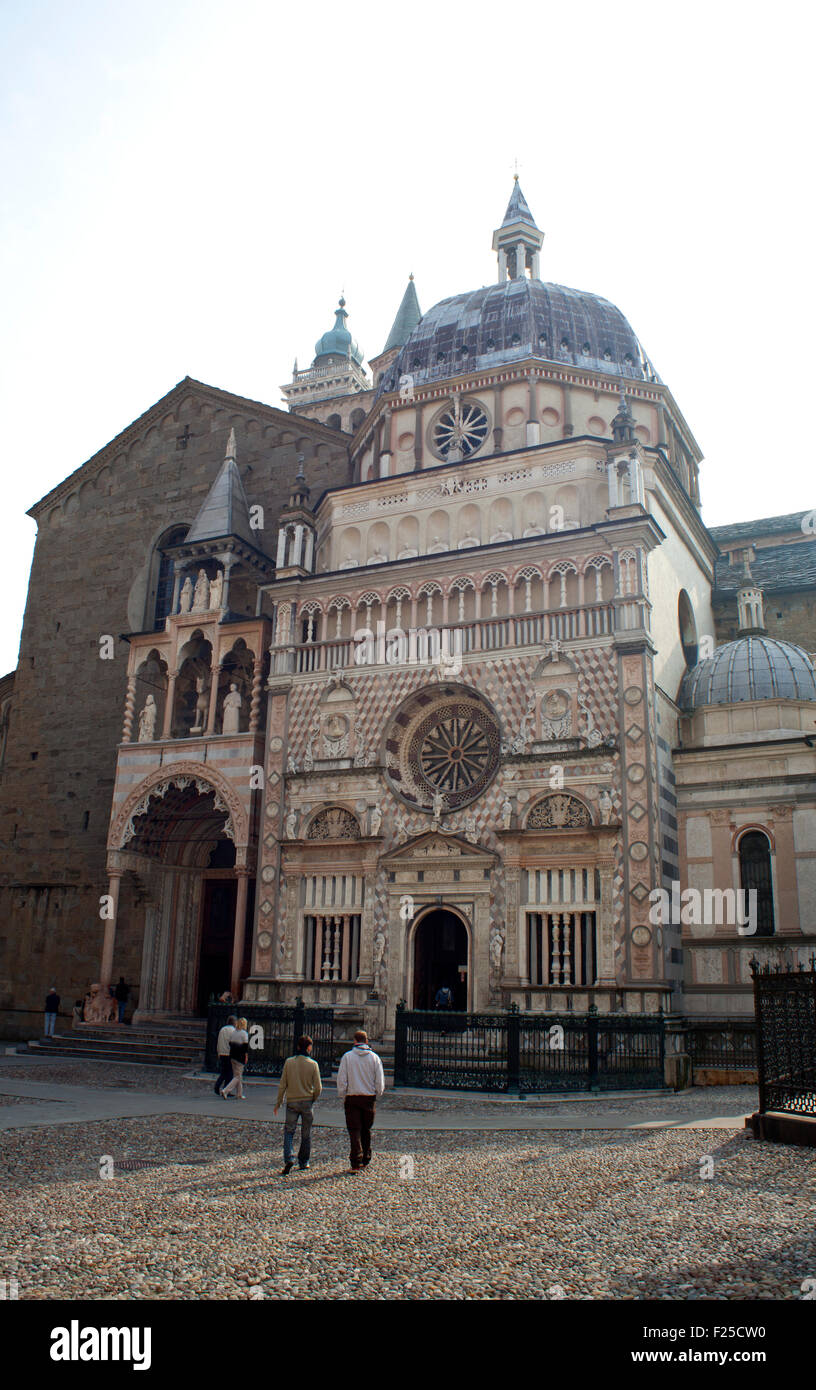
(338, 341)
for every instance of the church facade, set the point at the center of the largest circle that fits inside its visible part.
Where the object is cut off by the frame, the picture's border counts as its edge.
(482, 704)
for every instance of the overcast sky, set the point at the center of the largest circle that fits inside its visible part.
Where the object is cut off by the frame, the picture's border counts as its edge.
(187, 187)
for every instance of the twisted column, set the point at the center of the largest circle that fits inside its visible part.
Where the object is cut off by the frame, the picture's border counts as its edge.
(130, 705)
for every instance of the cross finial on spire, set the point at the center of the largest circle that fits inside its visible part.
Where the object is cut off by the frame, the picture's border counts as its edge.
(230, 454)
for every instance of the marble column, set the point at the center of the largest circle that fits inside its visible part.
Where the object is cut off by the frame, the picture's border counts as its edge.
(168, 708)
(214, 675)
(239, 933)
(130, 704)
(106, 968)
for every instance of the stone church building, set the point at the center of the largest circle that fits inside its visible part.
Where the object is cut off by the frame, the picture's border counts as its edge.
(434, 677)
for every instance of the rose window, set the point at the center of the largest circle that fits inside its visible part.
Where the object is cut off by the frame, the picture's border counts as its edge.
(462, 429)
(444, 741)
(454, 754)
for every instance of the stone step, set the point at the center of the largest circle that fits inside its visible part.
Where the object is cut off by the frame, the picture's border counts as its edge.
(101, 1051)
(188, 1037)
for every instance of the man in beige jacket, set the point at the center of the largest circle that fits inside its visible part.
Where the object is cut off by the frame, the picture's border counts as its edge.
(301, 1085)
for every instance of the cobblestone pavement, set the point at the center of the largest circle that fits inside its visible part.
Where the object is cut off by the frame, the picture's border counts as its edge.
(724, 1100)
(624, 1215)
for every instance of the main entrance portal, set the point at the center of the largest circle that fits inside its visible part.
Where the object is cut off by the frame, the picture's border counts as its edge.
(440, 958)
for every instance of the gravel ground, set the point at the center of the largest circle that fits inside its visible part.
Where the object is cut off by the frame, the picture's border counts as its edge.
(601, 1215)
(722, 1099)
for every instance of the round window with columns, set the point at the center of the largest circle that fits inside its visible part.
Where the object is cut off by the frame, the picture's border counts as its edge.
(459, 430)
(442, 748)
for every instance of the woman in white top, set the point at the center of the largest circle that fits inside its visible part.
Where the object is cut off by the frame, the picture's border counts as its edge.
(239, 1052)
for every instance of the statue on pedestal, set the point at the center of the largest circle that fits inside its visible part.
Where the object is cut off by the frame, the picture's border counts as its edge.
(216, 589)
(201, 706)
(507, 812)
(147, 721)
(605, 806)
(186, 597)
(232, 706)
(291, 825)
(375, 820)
(201, 593)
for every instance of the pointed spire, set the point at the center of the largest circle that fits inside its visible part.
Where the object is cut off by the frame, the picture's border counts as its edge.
(225, 510)
(408, 316)
(518, 208)
(518, 240)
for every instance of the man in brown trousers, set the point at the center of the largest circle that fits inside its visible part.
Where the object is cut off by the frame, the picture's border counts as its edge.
(360, 1083)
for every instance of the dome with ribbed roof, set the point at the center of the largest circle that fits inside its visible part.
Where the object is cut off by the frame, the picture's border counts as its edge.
(514, 320)
(749, 668)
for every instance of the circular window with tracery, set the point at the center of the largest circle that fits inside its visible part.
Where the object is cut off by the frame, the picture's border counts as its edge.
(443, 742)
(460, 430)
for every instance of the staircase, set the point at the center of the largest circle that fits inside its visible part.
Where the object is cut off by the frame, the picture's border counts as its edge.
(178, 1044)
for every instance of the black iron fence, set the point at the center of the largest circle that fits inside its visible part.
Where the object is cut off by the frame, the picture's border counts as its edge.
(785, 1008)
(273, 1033)
(723, 1044)
(529, 1053)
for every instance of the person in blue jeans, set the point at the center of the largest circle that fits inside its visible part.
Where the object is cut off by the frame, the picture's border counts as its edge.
(52, 1003)
(301, 1085)
(121, 993)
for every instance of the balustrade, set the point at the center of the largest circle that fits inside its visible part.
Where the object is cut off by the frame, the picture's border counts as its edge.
(480, 635)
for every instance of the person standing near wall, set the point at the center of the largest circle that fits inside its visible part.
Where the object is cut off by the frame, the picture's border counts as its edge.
(52, 1003)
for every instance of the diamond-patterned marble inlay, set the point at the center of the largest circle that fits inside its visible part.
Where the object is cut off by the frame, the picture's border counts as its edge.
(634, 733)
(266, 907)
(639, 892)
(637, 812)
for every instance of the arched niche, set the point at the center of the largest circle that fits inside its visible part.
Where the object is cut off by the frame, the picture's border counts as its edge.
(192, 684)
(236, 670)
(151, 679)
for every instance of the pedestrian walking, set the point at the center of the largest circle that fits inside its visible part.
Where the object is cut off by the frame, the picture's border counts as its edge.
(222, 1049)
(360, 1083)
(239, 1052)
(444, 998)
(301, 1085)
(52, 1003)
(121, 994)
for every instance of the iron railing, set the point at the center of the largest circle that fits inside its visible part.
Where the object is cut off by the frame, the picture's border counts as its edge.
(785, 1008)
(528, 1052)
(273, 1033)
(726, 1044)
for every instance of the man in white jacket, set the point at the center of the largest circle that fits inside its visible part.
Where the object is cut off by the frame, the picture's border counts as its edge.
(360, 1083)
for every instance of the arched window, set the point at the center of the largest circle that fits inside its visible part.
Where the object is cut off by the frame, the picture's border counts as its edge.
(164, 583)
(755, 873)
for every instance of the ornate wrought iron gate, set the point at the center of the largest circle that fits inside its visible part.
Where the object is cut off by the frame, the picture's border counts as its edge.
(785, 1007)
(529, 1052)
(273, 1033)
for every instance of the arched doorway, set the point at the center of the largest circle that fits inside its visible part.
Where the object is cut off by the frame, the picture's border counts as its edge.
(440, 958)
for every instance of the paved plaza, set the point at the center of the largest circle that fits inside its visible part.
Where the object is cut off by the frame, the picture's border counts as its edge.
(466, 1197)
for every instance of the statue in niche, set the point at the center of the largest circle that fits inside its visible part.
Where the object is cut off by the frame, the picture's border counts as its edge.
(470, 829)
(216, 590)
(379, 967)
(438, 805)
(186, 598)
(496, 948)
(232, 706)
(291, 766)
(507, 812)
(201, 593)
(605, 806)
(147, 721)
(202, 705)
(291, 825)
(375, 820)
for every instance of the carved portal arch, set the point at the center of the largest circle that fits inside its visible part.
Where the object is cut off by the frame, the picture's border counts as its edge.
(181, 775)
(333, 823)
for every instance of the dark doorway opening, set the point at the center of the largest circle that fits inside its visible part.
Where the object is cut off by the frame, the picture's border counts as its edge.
(440, 958)
(217, 933)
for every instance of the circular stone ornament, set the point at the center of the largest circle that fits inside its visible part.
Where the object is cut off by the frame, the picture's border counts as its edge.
(639, 850)
(276, 744)
(443, 741)
(636, 773)
(641, 936)
(264, 940)
(633, 695)
(268, 874)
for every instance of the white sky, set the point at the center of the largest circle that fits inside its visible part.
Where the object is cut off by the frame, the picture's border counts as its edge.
(187, 186)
